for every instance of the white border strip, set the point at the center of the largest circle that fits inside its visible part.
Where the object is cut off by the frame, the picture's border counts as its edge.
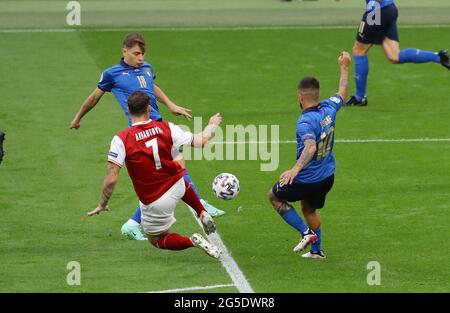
(219, 28)
(337, 141)
(230, 265)
(193, 288)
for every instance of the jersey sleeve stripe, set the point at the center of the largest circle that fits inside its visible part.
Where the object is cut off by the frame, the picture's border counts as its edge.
(114, 162)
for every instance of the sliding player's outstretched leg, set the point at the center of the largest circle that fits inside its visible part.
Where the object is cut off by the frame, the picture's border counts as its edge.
(201, 243)
(158, 217)
(192, 200)
(177, 242)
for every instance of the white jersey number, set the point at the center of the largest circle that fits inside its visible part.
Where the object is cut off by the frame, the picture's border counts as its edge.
(154, 145)
(142, 81)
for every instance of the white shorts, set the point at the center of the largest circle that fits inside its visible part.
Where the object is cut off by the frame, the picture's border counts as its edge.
(158, 216)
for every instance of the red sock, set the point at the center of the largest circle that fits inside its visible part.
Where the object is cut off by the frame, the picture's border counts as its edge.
(173, 241)
(192, 199)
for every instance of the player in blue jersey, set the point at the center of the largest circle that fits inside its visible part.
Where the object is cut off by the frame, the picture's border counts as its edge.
(312, 176)
(130, 75)
(379, 27)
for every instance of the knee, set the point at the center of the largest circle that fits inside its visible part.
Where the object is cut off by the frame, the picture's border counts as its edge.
(358, 51)
(153, 240)
(307, 209)
(276, 203)
(392, 55)
(393, 59)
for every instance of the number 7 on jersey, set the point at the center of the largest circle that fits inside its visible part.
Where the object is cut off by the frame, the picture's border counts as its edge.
(153, 143)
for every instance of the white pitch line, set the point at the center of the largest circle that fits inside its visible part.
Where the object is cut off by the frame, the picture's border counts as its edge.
(230, 265)
(337, 141)
(219, 28)
(192, 288)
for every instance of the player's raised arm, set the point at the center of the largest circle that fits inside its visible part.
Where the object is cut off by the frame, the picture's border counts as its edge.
(201, 139)
(87, 105)
(344, 61)
(175, 109)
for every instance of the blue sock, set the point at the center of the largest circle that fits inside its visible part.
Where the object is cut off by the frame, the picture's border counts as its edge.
(292, 218)
(414, 55)
(316, 246)
(189, 180)
(361, 73)
(137, 215)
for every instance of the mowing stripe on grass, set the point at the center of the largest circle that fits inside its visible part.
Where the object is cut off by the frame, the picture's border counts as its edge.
(192, 288)
(339, 141)
(230, 265)
(170, 29)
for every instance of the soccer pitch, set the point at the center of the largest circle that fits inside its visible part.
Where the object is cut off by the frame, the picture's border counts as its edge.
(391, 195)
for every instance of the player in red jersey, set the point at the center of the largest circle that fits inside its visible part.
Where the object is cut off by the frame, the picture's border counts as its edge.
(146, 148)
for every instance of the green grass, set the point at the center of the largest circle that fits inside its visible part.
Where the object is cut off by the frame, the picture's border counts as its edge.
(209, 13)
(389, 202)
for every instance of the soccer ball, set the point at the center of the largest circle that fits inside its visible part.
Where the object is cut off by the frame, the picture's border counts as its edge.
(226, 186)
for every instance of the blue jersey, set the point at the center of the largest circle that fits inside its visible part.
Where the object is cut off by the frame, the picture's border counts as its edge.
(123, 79)
(318, 123)
(371, 5)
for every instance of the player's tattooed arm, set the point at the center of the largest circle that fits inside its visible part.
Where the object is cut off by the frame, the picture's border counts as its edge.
(109, 183)
(343, 84)
(108, 187)
(309, 150)
(344, 62)
(308, 153)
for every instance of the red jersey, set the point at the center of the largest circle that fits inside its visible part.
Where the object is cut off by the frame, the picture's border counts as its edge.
(146, 149)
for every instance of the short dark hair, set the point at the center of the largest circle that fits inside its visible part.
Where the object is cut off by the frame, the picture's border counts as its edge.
(309, 87)
(138, 102)
(133, 39)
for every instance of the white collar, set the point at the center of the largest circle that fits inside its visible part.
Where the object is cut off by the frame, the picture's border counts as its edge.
(141, 123)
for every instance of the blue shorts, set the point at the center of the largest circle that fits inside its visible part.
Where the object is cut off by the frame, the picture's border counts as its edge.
(375, 34)
(313, 193)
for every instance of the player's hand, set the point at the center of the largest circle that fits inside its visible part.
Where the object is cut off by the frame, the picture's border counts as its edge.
(216, 119)
(177, 110)
(287, 177)
(344, 59)
(97, 210)
(75, 124)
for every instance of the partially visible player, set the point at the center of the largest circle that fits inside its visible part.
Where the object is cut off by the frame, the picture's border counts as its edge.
(386, 35)
(132, 74)
(2, 138)
(146, 148)
(312, 176)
